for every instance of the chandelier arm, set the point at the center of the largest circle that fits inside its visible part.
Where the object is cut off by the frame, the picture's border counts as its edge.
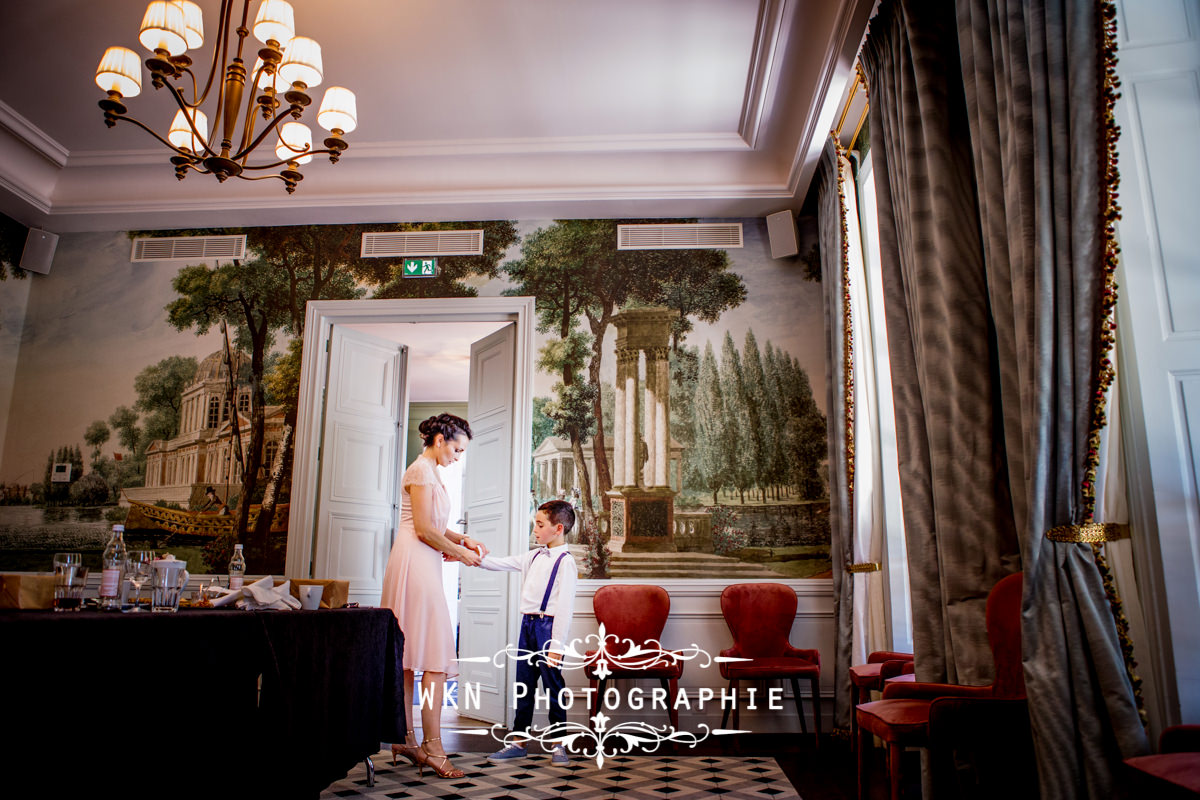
(186, 107)
(218, 52)
(241, 156)
(155, 134)
(283, 163)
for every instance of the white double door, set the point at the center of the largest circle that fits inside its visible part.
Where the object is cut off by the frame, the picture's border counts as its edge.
(362, 446)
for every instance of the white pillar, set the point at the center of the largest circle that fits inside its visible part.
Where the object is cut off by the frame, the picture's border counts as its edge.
(618, 465)
(662, 415)
(631, 418)
(649, 473)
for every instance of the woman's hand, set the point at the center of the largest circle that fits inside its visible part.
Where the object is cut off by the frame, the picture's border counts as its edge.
(473, 544)
(467, 556)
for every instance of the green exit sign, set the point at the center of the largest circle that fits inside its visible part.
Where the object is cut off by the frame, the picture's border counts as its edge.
(420, 267)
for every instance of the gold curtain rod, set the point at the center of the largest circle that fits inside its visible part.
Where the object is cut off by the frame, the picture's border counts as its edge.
(860, 81)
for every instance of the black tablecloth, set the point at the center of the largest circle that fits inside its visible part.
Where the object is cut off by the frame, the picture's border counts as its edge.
(170, 704)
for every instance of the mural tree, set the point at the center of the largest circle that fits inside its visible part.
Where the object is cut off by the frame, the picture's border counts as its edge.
(12, 243)
(574, 268)
(268, 295)
(247, 296)
(711, 441)
(159, 389)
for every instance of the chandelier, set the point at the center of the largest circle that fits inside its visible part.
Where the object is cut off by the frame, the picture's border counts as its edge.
(288, 66)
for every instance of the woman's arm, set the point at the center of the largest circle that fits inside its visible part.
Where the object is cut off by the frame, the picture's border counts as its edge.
(467, 542)
(421, 496)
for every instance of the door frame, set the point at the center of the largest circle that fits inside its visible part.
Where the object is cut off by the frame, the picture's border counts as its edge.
(320, 317)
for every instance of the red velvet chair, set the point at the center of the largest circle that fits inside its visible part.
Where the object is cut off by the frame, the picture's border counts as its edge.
(902, 718)
(870, 677)
(634, 614)
(760, 617)
(1174, 772)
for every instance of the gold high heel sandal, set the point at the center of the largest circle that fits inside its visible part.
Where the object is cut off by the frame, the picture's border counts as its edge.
(446, 770)
(408, 751)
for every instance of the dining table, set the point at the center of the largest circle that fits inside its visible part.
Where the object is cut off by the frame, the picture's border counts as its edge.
(199, 703)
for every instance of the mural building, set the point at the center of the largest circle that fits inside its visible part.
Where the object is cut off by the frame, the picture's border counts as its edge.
(679, 397)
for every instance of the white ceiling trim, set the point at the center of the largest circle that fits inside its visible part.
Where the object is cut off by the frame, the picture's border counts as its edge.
(841, 51)
(762, 61)
(502, 196)
(33, 136)
(37, 201)
(684, 143)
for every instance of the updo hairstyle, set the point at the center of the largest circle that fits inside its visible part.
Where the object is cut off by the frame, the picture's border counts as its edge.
(448, 425)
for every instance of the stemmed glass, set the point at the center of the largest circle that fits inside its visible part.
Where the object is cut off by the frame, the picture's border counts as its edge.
(139, 567)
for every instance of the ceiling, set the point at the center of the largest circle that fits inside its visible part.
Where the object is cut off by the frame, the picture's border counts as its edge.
(468, 110)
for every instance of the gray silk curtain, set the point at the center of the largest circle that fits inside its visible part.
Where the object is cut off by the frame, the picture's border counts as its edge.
(840, 516)
(987, 119)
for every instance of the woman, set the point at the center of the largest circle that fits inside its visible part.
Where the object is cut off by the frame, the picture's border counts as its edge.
(412, 585)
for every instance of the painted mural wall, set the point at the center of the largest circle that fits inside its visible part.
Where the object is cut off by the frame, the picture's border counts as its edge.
(138, 387)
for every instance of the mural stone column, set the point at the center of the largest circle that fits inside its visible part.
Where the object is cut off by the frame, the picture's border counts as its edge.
(662, 414)
(618, 460)
(641, 499)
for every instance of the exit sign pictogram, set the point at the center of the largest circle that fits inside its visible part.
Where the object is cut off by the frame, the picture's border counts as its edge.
(420, 268)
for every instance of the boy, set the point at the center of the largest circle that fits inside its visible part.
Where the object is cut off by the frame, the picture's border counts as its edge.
(548, 575)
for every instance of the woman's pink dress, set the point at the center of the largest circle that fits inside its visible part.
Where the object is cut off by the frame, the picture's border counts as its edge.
(412, 581)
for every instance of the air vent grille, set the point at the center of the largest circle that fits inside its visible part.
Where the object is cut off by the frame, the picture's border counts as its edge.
(679, 236)
(187, 248)
(385, 244)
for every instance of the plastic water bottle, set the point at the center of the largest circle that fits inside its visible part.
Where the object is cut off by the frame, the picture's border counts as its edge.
(113, 563)
(237, 568)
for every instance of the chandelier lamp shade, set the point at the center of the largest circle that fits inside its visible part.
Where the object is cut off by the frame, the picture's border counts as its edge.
(286, 68)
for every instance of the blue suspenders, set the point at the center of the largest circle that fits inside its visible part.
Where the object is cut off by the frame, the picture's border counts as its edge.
(550, 583)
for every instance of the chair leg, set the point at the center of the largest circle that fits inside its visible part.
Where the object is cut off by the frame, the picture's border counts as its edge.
(816, 703)
(894, 751)
(799, 705)
(672, 687)
(863, 752)
(853, 716)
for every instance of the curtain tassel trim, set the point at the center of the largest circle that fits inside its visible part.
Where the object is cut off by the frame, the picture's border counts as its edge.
(863, 566)
(1106, 333)
(847, 327)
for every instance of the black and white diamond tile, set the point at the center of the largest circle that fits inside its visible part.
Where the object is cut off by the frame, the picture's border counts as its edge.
(534, 778)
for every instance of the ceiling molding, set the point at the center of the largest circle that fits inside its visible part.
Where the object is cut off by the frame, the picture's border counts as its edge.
(683, 143)
(32, 136)
(841, 51)
(762, 61)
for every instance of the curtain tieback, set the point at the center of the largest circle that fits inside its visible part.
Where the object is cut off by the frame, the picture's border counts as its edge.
(864, 566)
(1089, 533)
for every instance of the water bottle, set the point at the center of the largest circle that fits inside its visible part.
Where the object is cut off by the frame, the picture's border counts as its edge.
(237, 568)
(113, 563)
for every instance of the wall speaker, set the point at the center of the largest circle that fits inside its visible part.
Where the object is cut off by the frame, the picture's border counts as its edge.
(781, 230)
(39, 251)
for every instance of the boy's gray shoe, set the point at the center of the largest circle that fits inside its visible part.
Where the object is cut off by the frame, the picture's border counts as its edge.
(510, 752)
(558, 756)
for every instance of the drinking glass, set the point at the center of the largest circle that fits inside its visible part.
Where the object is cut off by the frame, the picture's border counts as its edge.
(139, 572)
(70, 578)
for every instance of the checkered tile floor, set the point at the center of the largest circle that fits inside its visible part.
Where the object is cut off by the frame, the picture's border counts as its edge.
(626, 777)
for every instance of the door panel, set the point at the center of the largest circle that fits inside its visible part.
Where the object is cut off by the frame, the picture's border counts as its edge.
(359, 459)
(484, 608)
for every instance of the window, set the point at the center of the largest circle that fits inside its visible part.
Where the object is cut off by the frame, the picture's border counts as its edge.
(244, 403)
(214, 412)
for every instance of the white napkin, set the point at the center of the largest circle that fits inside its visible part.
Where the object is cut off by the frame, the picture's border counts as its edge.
(262, 594)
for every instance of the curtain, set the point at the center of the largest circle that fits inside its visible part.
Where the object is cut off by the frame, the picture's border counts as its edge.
(869, 631)
(841, 448)
(992, 181)
(944, 366)
(1034, 78)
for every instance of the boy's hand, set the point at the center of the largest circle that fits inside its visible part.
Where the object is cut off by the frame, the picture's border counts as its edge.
(554, 659)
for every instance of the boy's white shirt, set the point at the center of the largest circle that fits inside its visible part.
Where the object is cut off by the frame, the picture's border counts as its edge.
(535, 574)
